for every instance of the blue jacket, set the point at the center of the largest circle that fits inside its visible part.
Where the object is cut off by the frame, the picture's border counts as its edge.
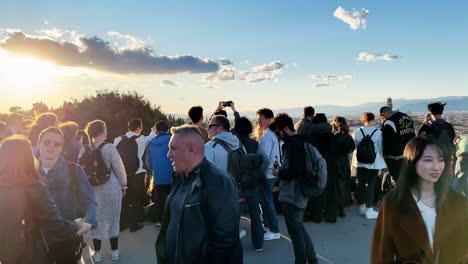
(157, 160)
(59, 184)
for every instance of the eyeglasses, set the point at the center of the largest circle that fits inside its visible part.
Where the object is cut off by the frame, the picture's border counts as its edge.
(49, 142)
(213, 125)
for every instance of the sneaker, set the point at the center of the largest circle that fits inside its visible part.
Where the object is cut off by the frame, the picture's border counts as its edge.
(97, 256)
(242, 234)
(158, 225)
(259, 249)
(271, 236)
(362, 209)
(115, 254)
(371, 214)
(136, 227)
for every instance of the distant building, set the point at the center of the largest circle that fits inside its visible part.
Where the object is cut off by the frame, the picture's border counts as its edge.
(389, 103)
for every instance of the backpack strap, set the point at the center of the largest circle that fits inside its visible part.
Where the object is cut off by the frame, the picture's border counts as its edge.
(101, 146)
(222, 143)
(373, 133)
(362, 132)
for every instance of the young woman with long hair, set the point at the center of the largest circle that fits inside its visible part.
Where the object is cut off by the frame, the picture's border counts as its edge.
(422, 220)
(26, 207)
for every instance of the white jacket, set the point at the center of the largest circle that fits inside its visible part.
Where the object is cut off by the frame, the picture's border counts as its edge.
(215, 153)
(270, 145)
(377, 138)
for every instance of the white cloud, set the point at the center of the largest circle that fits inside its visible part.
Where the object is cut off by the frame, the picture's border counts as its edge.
(369, 56)
(46, 22)
(256, 74)
(168, 83)
(354, 18)
(318, 85)
(223, 74)
(53, 33)
(127, 42)
(329, 79)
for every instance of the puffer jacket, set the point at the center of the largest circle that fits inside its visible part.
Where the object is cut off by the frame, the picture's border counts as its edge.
(157, 160)
(208, 224)
(27, 212)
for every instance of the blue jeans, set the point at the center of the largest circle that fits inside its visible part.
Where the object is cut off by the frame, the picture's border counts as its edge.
(301, 242)
(256, 227)
(270, 218)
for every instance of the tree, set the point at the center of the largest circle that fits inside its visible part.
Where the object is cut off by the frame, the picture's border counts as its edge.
(16, 109)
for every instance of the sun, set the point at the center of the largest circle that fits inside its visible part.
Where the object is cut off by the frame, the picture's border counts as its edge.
(26, 76)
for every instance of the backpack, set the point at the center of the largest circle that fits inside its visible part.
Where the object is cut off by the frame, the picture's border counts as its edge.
(246, 168)
(128, 151)
(365, 151)
(94, 166)
(314, 181)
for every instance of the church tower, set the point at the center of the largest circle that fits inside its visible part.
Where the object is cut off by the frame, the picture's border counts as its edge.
(389, 103)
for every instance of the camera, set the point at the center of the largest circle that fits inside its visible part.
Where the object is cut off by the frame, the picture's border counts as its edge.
(226, 103)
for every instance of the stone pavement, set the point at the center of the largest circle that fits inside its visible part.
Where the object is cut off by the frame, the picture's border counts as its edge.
(347, 241)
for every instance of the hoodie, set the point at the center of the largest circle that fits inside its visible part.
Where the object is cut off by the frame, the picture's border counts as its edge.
(215, 153)
(157, 160)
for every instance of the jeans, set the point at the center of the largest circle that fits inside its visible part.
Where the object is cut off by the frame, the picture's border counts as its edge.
(159, 197)
(270, 218)
(256, 227)
(302, 244)
(367, 194)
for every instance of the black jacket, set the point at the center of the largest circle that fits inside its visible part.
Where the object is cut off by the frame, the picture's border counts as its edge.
(208, 226)
(397, 130)
(345, 145)
(25, 243)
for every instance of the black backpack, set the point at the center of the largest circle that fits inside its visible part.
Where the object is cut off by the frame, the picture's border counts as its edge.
(246, 168)
(128, 150)
(365, 151)
(94, 166)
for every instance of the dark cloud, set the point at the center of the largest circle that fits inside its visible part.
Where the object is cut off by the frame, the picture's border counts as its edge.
(98, 54)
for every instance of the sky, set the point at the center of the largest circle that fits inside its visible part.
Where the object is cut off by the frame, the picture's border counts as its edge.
(276, 54)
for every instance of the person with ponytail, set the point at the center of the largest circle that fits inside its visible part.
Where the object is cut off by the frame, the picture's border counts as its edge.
(108, 195)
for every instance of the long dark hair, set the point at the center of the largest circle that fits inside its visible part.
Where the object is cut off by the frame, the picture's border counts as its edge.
(409, 178)
(339, 125)
(18, 166)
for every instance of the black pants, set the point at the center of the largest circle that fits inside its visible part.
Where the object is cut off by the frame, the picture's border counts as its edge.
(113, 241)
(133, 202)
(326, 205)
(302, 244)
(394, 167)
(159, 197)
(63, 252)
(366, 194)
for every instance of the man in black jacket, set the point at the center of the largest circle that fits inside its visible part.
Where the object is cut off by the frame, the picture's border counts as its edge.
(293, 202)
(397, 130)
(201, 220)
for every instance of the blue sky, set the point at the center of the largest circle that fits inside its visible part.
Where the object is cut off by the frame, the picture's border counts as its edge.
(427, 40)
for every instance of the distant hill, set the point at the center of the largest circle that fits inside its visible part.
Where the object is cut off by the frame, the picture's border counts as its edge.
(454, 103)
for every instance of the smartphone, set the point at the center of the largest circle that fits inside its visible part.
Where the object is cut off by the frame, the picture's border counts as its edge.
(227, 103)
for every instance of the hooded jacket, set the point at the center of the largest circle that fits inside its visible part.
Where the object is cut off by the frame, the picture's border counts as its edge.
(157, 160)
(215, 153)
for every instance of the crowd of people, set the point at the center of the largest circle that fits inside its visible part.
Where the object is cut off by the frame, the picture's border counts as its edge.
(61, 186)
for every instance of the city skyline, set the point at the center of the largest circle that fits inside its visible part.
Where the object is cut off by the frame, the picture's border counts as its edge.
(274, 54)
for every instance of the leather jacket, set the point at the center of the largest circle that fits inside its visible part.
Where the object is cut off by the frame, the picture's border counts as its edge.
(27, 212)
(208, 224)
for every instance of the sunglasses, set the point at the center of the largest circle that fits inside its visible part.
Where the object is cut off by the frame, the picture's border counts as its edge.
(49, 142)
(213, 125)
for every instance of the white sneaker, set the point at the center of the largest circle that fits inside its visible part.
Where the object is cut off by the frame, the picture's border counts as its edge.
(97, 256)
(259, 249)
(242, 234)
(371, 214)
(362, 209)
(115, 254)
(271, 236)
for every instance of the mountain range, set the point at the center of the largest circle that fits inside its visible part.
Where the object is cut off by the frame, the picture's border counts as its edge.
(454, 103)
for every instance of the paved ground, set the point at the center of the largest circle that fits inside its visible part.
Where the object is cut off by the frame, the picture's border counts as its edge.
(347, 241)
